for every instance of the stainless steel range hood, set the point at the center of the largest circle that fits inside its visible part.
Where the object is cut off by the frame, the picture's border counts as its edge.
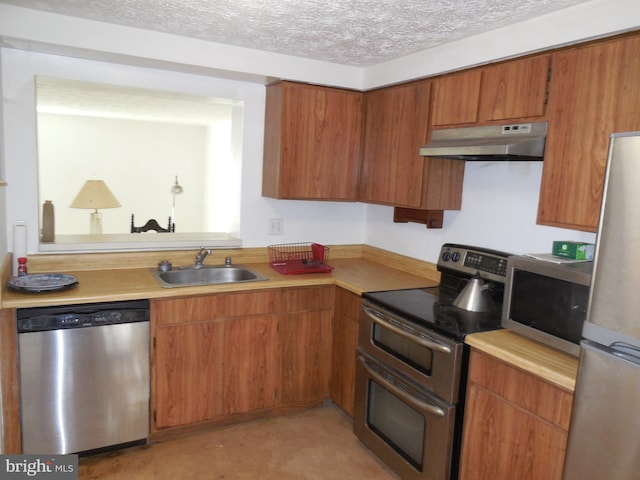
(523, 141)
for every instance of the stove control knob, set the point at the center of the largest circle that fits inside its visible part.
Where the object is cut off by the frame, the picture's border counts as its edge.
(446, 256)
(455, 256)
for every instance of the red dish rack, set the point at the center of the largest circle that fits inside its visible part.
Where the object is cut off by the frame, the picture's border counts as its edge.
(299, 258)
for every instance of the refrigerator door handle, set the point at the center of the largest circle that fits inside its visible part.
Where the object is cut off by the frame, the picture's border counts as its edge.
(626, 351)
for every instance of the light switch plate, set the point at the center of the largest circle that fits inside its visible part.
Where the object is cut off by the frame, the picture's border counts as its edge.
(276, 226)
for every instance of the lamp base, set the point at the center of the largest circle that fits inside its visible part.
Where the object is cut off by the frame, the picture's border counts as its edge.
(96, 223)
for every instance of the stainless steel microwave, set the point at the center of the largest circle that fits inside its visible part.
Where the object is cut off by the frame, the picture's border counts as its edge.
(547, 301)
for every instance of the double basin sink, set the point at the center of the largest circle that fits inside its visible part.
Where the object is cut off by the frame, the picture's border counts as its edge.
(206, 275)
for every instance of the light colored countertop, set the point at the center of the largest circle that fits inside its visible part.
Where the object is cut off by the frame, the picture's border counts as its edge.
(556, 367)
(357, 268)
(355, 274)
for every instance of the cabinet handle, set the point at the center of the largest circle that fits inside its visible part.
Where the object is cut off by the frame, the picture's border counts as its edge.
(430, 344)
(416, 403)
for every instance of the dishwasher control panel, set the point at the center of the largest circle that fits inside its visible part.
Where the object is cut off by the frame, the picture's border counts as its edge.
(80, 316)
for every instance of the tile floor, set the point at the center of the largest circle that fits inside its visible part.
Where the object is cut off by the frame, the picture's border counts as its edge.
(316, 444)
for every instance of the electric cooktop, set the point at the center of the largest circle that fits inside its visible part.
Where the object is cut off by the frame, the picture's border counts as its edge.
(432, 307)
(429, 308)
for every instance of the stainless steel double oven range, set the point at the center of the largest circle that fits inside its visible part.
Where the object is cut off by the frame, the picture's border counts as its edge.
(412, 363)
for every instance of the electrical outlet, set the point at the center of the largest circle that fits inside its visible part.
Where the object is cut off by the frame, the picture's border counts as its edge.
(276, 226)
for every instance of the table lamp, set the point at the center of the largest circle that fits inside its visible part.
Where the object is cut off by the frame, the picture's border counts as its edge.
(94, 195)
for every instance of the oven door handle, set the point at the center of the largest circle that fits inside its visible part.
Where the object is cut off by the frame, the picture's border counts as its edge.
(430, 344)
(413, 401)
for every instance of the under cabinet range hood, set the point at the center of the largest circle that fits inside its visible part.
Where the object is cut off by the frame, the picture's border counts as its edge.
(519, 142)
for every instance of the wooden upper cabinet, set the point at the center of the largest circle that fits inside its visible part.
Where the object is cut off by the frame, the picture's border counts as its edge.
(392, 171)
(593, 93)
(396, 125)
(513, 90)
(312, 142)
(456, 98)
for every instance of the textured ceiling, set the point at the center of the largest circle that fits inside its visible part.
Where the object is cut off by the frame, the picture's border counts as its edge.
(350, 32)
(72, 97)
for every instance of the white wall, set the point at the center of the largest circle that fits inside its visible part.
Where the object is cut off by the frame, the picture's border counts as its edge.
(137, 160)
(499, 200)
(499, 206)
(328, 222)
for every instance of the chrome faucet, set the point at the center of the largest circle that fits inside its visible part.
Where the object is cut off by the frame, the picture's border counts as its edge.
(201, 255)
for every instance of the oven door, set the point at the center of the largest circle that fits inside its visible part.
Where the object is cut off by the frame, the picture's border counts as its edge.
(428, 358)
(410, 429)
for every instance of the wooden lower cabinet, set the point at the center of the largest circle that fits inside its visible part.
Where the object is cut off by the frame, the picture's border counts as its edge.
(10, 382)
(213, 356)
(188, 373)
(250, 361)
(216, 356)
(345, 342)
(305, 339)
(515, 426)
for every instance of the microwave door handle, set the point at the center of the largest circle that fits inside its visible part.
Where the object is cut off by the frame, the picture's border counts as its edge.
(414, 338)
(414, 402)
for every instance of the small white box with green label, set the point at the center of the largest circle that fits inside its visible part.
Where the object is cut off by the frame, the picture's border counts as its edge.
(575, 250)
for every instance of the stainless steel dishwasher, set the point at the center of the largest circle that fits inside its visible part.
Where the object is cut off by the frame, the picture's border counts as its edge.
(84, 377)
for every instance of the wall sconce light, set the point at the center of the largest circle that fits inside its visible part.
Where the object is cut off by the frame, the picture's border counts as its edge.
(94, 195)
(176, 189)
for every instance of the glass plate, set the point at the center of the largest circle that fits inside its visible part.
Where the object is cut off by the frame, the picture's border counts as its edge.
(42, 282)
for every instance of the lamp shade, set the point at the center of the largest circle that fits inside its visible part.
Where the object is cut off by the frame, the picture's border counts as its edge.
(95, 194)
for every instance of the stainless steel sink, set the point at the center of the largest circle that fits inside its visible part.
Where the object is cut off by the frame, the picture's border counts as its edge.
(206, 275)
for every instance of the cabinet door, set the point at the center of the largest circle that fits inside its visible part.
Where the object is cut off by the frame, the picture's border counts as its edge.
(306, 357)
(504, 442)
(514, 89)
(187, 372)
(593, 93)
(515, 423)
(456, 98)
(345, 342)
(214, 355)
(250, 363)
(312, 142)
(396, 126)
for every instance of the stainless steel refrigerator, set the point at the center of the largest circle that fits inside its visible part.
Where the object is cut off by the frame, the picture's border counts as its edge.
(604, 434)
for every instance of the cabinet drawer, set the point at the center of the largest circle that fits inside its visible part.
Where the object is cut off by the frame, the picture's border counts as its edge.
(187, 310)
(307, 299)
(523, 389)
(250, 303)
(212, 307)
